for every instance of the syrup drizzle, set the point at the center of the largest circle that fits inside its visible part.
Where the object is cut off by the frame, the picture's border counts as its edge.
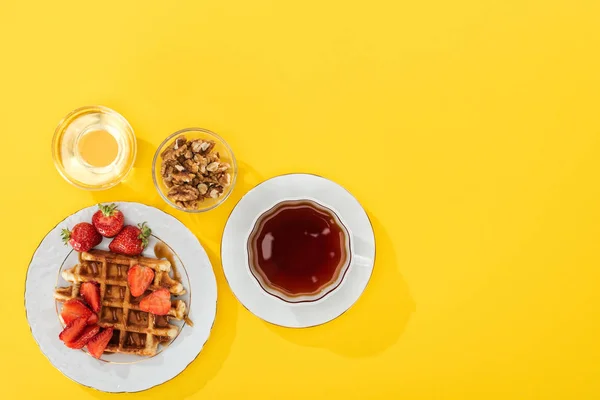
(161, 250)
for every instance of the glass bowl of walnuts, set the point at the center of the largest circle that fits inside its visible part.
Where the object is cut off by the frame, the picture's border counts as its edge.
(194, 170)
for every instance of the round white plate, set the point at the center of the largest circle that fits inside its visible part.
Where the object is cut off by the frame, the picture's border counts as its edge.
(234, 252)
(117, 372)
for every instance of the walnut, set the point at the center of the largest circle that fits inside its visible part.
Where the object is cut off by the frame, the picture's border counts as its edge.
(191, 166)
(193, 172)
(206, 147)
(202, 188)
(183, 193)
(225, 179)
(168, 154)
(212, 167)
(216, 191)
(180, 151)
(190, 204)
(179, 141)
(196, 145)
(213, 157)
(166, 168)
(183, 177)
(223, 167)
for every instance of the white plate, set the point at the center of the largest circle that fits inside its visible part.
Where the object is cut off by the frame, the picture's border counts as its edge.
(122, 373)
(234, 252)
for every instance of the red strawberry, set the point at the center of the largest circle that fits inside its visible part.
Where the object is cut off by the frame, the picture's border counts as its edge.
(131, 241)
(139, 278)
(73, 330)
(90, 291)
(108, 221)
(73, 309)
(157, 303)
(89, 332)
(83, 237)
(93, 319)
(99, 342)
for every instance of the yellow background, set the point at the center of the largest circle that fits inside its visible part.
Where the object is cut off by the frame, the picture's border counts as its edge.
(468, 129)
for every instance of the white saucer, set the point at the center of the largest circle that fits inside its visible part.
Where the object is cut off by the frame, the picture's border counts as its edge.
(234, 253)
(118, 372)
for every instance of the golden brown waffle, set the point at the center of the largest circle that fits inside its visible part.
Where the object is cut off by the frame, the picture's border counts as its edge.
(135, 331)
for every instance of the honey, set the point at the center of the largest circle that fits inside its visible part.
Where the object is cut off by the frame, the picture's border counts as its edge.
(98, 148)
(94, 148)
(161, 250)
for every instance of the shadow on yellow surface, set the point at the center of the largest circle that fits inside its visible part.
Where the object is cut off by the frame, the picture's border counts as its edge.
(385, 307)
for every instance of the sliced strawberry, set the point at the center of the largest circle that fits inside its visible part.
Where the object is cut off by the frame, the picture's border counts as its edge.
(139, 279)
(90, 291)
(73, 330)
(93, 319)
(88, 333)
(157, 303)
(73, 309)
(98, 343)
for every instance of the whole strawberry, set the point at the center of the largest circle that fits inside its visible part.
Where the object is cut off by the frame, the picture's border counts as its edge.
(108, 221)
(83, 237)
(131, 241)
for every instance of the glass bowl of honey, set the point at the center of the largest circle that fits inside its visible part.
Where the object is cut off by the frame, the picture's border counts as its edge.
(94, 148)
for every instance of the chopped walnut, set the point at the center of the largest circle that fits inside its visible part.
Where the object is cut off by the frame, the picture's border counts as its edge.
(223, 167)
(212, 167)
(193, 172)
(166, 169)
(202, 188)
(179, 141)
(183, 193)
(191, 166)
(225, 179)
(182, 177)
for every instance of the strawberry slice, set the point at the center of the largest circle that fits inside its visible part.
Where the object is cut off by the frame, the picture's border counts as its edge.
(73, 330)
(73, 309)
(157, 303)
(139, 279)
(98, 343)
(88, 333)
(93, 319)
(90, 291)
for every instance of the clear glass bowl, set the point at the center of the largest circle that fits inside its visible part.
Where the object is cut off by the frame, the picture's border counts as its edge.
(70, 163)
(225, 153)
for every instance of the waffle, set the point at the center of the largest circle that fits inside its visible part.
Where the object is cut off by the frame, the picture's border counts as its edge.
(135, 331)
